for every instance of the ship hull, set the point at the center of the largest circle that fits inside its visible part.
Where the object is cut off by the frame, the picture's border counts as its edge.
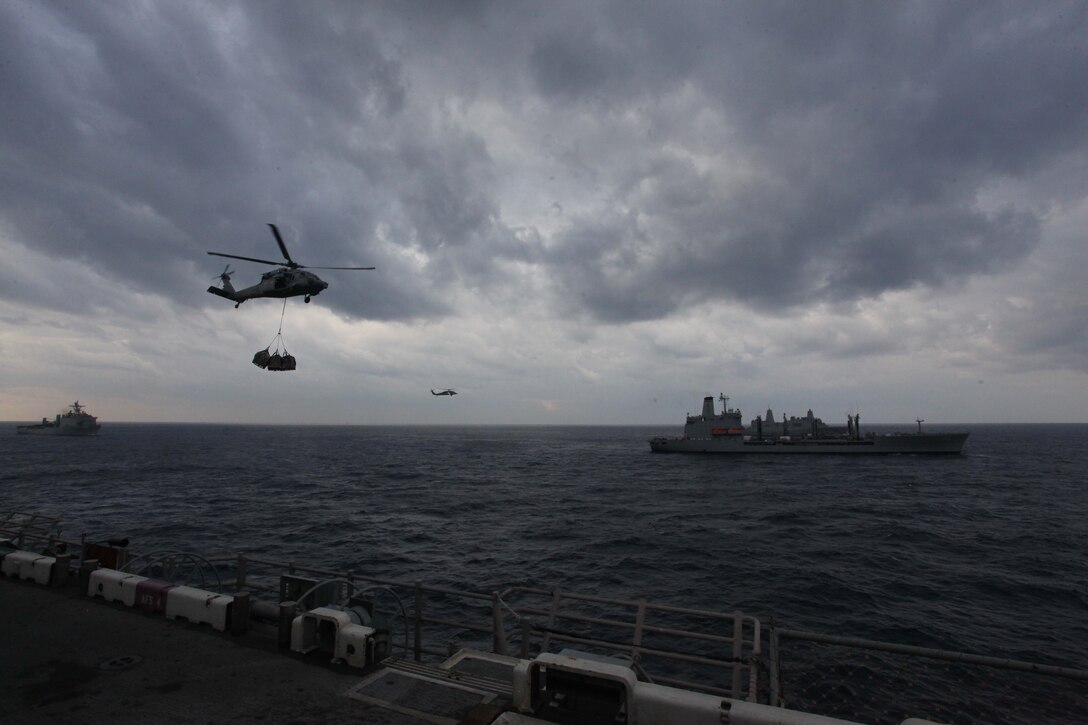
(911, 443)
(52, 430)
(75, 422)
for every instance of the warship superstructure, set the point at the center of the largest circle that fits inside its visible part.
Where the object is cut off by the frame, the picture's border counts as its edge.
(725, 432)
(73, 422)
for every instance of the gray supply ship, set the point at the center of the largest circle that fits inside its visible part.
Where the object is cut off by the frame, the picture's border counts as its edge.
(725, 432)
(73, 422)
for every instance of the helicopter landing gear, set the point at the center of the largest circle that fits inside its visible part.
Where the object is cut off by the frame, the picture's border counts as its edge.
(236, 305)
(307, 299)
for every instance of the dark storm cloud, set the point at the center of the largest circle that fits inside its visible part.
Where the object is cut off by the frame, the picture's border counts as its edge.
(114, 135)
(137, 137)
(569, 65)
(875, 133)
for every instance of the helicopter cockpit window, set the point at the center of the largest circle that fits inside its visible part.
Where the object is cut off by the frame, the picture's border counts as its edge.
(281, 282)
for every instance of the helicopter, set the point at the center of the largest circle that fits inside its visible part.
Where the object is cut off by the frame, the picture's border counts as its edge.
(447, 391)
(288, 281)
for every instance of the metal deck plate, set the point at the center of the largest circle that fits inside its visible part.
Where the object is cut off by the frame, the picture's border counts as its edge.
(475, 664)
(427, 693)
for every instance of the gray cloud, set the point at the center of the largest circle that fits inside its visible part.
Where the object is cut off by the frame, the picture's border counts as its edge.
(875, 134)
(605, 163)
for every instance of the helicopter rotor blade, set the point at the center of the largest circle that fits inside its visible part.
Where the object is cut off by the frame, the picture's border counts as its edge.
(305, 267)
(248, 259)
(290, 263)
(283, 247)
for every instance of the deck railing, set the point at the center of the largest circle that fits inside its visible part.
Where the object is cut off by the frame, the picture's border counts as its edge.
(22, 526)
(797, 671)
(714, 652)
(523, 621)
(885, 682)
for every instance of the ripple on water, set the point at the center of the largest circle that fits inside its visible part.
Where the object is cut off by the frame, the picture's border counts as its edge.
(983, 550)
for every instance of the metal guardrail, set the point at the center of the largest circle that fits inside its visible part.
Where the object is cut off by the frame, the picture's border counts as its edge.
(21, 525)
(809, 671)
(742, 643)
(512, 621)
(535, 619)
(743, 662)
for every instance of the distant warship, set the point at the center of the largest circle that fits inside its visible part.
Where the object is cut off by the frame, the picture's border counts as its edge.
(73, 422)
(725, 432)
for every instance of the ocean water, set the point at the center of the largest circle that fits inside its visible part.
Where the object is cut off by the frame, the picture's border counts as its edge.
(986, 552)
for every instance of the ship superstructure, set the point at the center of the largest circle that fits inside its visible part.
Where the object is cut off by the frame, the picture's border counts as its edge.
(75, 421)
(725, 432)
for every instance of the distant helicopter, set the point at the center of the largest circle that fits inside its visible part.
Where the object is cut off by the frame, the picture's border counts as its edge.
(287, 281)
(447, 391)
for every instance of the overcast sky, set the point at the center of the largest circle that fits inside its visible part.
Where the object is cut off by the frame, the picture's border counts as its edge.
(580, 212)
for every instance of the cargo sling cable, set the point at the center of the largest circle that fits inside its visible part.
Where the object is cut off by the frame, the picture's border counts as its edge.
(276, 360)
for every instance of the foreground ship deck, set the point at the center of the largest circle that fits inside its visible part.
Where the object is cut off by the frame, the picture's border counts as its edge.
(89, 643)
(725, 432)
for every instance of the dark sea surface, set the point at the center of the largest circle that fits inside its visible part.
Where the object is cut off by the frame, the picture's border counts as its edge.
(986, 552)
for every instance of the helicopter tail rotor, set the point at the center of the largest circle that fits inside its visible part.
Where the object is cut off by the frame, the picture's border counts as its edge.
(224, 277)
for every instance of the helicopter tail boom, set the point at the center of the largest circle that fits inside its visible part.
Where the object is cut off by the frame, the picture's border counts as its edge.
(226, 293)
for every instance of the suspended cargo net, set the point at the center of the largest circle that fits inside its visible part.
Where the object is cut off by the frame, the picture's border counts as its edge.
(275, 356)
